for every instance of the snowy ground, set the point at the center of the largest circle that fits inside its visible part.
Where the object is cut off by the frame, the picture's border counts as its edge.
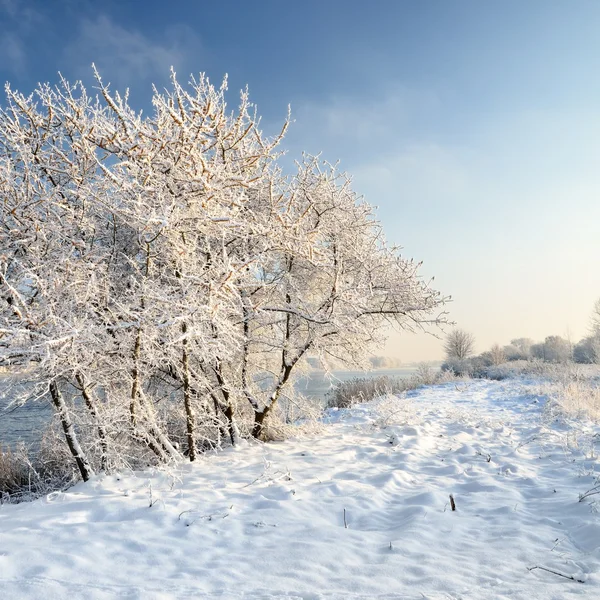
(267, 521)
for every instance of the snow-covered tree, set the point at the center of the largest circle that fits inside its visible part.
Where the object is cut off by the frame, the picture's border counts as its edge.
(553, 349)
(161, 269)
(595, 319)
(329, 288)
(587, 350)
(497, 356)
(459, 345)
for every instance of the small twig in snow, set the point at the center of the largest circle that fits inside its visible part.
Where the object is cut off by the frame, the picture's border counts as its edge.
(488, 457)
(271, 478)
(531, 439)
(452, 503)
(591, 492)
(345, 522)
(556, 573)
(151, 501)
(263, 524)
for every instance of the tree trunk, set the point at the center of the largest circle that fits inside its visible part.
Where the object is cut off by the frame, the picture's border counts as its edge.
(101, 429)
(152, 436)
(187, 399)
(135, 376)
(261, 415)
(233, 431)
(221, 429)
(63, 412)
(259, 419)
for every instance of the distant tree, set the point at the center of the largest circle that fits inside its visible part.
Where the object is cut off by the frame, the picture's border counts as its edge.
(512, 353)
(595, 319)
(587, 350)
(553, 349)
(314, 363)
(537, 351)
(384, 362)
(459, 344)
(595, 344)
(497, 355)
(523, 345)
(377, 362)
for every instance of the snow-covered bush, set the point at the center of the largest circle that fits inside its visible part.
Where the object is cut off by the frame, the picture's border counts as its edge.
(363, 389)
(14, 473)
(426, 374)
(459, 367)
(579, 398)
(27, 473)
(587, 350)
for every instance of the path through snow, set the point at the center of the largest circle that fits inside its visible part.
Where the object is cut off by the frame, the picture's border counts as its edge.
(267, 521)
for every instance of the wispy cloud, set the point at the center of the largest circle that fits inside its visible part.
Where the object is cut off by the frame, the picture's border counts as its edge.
(13, 57)
(127, 56)
(367, 122)
(10, 7)
(16, 20)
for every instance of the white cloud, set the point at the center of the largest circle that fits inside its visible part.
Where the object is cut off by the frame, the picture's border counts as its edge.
(17, 19)
(21, 12)
(364, 123)
(126, 56)
(13, 57)
(11, 7)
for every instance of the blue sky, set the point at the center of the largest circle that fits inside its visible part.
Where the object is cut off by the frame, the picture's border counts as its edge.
(473, 126)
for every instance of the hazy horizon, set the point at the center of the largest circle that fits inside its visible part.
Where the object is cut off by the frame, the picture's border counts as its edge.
(473, 127)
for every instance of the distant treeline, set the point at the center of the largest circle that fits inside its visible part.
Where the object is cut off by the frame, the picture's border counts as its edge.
(377, 362)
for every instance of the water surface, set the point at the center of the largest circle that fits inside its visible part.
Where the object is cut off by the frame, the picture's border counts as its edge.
(26, 423)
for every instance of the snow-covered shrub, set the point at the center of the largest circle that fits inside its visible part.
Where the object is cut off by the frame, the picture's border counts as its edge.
(427, 374)
(500, 372)
(579, 398)
(459, 367)
(587, 351)
(295, 416)
(14, 472)
(363, 389)
(27, 473)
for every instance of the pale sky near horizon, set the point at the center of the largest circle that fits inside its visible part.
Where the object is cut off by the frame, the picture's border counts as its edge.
(472, 126)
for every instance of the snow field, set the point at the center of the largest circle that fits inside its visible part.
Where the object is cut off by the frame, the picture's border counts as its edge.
(362, 511)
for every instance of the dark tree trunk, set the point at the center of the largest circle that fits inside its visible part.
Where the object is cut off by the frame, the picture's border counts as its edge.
(259, 419)
(230, 423)
(135, 376)
(187, 399)
(91, 405)
(70, 435)
(228, 412)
